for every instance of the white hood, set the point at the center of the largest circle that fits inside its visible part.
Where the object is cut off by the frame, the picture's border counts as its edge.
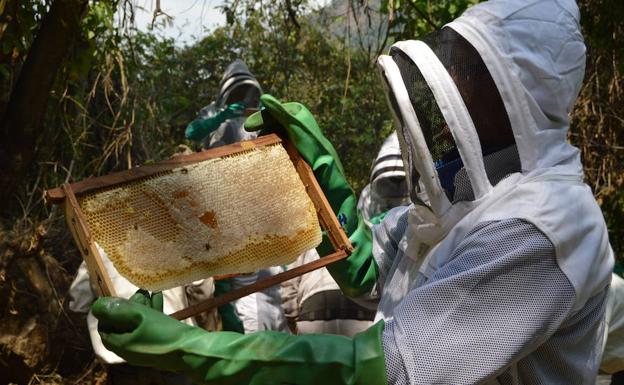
(535, 56)
(535, 53)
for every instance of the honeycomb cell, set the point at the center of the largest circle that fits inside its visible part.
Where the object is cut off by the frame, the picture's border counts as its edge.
(234, 214)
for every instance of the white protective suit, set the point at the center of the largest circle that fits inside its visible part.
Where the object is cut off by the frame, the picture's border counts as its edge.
(261, 310)
(316, 302)
(82, 297)
(388, 187)
(499, 275)
(238, 85)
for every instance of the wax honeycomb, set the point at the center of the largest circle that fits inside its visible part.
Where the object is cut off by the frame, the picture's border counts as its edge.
(234, 214)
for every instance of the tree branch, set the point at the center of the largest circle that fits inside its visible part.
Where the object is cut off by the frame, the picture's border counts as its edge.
(423, 15)
(20, 127)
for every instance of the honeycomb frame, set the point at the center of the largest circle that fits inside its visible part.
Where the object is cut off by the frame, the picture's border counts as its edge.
(70, 195)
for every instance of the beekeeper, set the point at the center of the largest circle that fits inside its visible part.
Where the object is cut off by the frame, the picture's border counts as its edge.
(221, 122)
(82, 295)
(387, 187)
(613, 355)
(499, 276)
(218, 124)
(314, 300)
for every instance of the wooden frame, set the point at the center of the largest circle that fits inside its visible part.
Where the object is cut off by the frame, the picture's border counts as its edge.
(79, 228)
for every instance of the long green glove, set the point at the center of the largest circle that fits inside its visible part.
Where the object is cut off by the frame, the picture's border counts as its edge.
(357, 274)
(198, 129)
(146, 337)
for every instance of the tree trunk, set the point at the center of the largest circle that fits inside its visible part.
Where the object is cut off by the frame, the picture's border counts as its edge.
(21, 125)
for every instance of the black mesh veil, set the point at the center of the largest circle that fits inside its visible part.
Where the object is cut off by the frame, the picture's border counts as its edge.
(476, 86)
(245, 93)
(483, 102)
(437, 134)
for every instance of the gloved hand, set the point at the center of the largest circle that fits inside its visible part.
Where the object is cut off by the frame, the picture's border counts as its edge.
(154, 301)
(198, 129)
(147, 337)
(357, 274)
(233, 110)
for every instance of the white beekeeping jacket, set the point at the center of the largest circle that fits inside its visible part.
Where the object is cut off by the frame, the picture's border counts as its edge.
(499, 277)
(261, 310)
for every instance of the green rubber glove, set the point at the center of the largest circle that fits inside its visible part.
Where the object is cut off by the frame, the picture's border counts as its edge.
(198, 129)
(357, 274)
(147, 337)
(378, 218)
(155, 301)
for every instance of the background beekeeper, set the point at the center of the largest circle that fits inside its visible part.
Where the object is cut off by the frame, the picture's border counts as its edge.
(499, 276)
(387, 187)
(82, 296)
(218, 124)
(314, 300)
(221, 122)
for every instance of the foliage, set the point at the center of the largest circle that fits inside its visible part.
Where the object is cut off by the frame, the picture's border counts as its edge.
(125, 96)
(18, 23)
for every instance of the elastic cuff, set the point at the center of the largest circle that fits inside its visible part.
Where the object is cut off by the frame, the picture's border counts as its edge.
(369, 356)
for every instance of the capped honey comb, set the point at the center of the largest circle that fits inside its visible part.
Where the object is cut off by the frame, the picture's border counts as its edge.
(234, 214)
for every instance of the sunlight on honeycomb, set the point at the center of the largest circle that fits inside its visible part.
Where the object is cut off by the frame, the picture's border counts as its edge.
(229, 215)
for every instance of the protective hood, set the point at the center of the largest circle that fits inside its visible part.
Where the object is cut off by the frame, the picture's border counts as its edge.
(387, 186)
(238, 85)
(487, 96)
(387, 177)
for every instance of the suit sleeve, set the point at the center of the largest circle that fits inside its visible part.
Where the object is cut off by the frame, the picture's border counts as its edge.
(499, 298)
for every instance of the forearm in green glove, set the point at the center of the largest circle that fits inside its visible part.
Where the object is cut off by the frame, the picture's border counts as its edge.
(198, 129)
(357, 274)
(144, 336)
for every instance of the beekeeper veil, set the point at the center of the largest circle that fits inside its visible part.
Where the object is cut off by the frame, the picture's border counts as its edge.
(238, 85)
(486, 96)
(455, 134)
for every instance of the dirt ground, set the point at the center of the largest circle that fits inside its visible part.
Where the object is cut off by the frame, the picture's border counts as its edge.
(41, 341)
